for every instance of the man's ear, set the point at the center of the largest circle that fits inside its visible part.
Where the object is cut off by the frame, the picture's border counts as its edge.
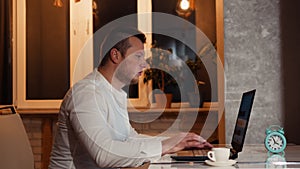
(115, 55)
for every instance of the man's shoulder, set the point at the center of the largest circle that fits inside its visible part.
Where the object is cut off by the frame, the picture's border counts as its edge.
(91, 79)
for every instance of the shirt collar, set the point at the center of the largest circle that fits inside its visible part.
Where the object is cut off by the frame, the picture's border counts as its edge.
(119, 95)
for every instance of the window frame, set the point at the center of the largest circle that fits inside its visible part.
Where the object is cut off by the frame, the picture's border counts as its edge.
(19, 55)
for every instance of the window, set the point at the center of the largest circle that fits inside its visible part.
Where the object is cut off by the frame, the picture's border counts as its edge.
(49, 39)
(49, 42)
(47, 66)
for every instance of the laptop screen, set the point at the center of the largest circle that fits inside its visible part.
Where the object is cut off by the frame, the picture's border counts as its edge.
(241, 125)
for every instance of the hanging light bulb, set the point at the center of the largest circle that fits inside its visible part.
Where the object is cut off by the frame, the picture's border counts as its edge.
(57, 3)
(185, 7)
(184, 4)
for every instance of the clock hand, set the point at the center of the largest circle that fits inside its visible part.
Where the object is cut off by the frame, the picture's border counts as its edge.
(275, 142)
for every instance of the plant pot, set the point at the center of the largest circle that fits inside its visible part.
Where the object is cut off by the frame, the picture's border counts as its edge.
(163, 100)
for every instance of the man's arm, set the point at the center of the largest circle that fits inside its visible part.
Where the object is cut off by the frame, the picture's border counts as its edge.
(94, 132)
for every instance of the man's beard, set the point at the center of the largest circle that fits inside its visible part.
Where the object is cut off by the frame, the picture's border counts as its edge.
(123, 77)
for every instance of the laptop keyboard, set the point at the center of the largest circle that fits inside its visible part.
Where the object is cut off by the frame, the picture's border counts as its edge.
(199, 155)
(200, 152)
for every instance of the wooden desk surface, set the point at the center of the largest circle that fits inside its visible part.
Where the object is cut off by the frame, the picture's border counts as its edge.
(252, 156)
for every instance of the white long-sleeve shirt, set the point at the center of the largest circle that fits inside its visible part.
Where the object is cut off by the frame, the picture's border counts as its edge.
(94, 131)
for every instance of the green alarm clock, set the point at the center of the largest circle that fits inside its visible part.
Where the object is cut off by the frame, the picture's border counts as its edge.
(275, 140)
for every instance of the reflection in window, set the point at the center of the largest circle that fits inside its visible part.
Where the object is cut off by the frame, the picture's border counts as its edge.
(179, 49)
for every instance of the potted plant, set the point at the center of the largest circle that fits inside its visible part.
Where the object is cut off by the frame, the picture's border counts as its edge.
(208, 53)
(195, 67)
(161, 69)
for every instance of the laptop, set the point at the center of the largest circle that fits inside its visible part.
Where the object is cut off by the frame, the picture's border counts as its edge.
(239, 133)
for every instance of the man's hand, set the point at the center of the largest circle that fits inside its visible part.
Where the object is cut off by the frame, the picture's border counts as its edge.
(182, 141)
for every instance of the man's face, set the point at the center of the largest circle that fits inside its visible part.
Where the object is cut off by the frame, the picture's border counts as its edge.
(133, 64)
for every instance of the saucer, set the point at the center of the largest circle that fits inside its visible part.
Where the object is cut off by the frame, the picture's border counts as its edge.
(220, 164)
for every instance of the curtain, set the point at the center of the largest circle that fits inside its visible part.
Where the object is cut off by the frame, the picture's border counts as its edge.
(5, 52)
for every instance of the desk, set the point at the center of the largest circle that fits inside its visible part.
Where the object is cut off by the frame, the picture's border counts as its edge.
(253, 156)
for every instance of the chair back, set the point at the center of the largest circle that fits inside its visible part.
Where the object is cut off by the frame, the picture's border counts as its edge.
(15, 148)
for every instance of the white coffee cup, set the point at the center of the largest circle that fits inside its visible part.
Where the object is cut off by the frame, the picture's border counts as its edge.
(220, 154)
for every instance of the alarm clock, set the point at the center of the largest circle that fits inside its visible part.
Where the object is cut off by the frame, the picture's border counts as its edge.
(275, 141)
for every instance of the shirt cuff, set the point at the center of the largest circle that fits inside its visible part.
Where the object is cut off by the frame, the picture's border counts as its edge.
(152, 149)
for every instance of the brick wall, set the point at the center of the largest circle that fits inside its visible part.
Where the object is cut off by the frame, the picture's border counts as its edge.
(39, 128)
(33, 128)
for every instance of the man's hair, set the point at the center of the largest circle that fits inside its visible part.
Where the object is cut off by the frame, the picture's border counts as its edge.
(118, 38)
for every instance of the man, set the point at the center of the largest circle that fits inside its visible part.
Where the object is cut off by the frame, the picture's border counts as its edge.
(93, 124)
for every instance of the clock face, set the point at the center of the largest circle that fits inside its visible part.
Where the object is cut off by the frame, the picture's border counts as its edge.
(275, 142)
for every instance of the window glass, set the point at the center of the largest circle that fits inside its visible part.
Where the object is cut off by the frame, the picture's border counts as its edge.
(47, 50)
(106, 11)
